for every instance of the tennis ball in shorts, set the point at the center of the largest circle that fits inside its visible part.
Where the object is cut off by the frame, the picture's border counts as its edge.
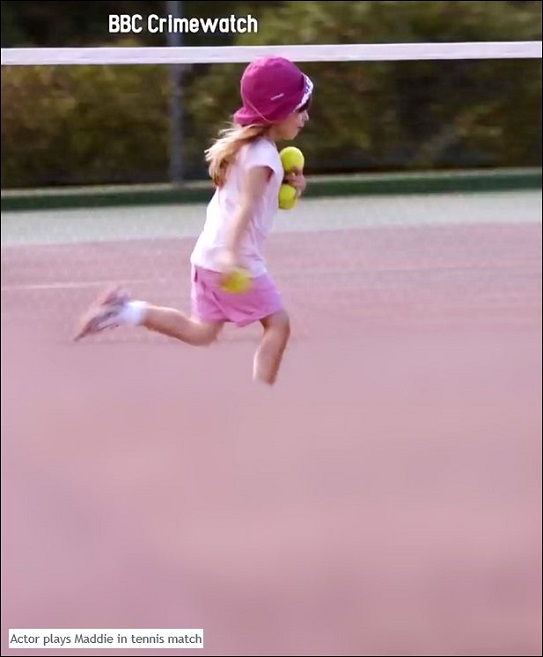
(291, 158)
(287, 196)
(236, 282)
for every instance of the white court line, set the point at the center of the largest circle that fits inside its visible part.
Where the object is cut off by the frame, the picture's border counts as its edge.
(66, 286)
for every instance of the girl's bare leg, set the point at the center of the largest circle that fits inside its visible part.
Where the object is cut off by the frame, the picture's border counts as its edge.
(269, 354)
(176, 324)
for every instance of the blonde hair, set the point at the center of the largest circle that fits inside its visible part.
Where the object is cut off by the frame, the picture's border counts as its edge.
(223, 152)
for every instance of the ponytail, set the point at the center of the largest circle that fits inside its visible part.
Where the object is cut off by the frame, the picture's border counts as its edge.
(223, 152)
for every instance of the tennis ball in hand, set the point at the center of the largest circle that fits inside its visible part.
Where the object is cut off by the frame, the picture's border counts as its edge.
(287, 196)
(292, 158)
(237, 282)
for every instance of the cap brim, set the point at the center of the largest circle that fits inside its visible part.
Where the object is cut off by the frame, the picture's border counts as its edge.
(308, 92)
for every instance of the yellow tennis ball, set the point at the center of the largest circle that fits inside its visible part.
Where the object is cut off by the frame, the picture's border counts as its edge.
(292, 158)
(287, 196)
(237, 282)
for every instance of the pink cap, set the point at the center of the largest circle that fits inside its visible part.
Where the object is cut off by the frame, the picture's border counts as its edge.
(271, 89)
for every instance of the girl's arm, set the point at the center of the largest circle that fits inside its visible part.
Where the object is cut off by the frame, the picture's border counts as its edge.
(254, 187)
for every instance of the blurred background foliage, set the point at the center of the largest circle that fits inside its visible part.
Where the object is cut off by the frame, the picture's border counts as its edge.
(78, 125)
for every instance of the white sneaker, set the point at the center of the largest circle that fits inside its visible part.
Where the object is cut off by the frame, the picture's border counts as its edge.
(104, 314)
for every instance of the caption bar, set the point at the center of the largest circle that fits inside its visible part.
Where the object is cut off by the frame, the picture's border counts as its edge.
(106, 639)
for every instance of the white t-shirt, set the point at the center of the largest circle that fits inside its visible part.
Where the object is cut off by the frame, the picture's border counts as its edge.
(222, 207)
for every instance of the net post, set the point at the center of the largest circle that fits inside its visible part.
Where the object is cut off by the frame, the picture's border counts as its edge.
(175, 9)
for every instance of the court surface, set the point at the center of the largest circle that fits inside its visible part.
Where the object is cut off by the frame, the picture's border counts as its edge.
(383, 499)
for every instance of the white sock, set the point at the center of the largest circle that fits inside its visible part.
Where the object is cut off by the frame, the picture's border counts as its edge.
(133, 312)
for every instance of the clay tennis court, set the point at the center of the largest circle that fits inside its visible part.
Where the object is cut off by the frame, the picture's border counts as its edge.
(383, 499)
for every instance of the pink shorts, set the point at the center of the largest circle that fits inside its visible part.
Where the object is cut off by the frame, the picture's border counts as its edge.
(211, 304)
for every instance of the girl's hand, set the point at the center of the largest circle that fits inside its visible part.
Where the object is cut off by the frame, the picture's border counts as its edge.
(297, 179)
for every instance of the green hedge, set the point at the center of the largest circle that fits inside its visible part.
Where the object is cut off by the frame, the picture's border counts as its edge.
(110, 124)
(91, 123)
